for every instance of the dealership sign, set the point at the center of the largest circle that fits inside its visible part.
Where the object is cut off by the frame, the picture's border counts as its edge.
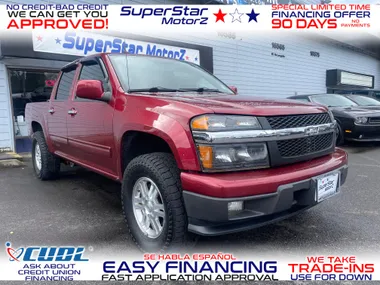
(355, 79)
(85, 43)
(338, 77)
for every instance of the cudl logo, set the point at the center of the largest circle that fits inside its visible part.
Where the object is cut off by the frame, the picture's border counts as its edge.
(14, 254)
(37, 253)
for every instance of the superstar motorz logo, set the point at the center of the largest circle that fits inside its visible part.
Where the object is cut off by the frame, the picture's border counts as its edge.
(44, 254)
(177, 15)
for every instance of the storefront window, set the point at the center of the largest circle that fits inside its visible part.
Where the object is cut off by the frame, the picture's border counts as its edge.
(28, 86)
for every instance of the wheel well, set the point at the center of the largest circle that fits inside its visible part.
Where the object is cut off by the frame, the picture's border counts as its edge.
(36, 127)
(136, 143)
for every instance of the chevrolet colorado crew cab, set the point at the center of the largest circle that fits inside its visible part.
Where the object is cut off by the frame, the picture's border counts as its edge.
(192, 156)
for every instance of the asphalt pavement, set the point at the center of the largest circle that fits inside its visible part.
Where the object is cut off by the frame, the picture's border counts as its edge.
(83, 208)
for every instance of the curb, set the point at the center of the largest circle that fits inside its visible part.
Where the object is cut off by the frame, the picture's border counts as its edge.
(10, 163)
(11, 159)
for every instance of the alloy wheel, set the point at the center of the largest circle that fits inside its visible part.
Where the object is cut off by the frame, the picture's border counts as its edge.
(37, 156)
(148, 207)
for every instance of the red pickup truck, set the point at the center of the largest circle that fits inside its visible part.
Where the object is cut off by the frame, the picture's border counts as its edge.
(192, 156)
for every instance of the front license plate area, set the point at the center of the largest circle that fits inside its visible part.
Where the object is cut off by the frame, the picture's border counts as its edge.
(327, 186)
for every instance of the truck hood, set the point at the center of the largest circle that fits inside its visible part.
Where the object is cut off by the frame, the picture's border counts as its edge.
(245, 105)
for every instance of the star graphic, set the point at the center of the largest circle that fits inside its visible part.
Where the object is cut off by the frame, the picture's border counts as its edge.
(236, 16)
(196, 59)
(220, 16)
(57, 41)
(39, 38)
(253, 16)
(187, 58)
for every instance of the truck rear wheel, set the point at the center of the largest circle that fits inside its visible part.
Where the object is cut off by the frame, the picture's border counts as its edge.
(152, 203)
(46, 165)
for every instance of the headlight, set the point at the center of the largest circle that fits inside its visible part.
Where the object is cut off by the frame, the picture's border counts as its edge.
(224, 123)
(361, 120)
(233, 157)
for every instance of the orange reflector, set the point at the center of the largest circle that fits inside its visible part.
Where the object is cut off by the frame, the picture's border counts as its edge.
(348, 131)
(205, 153)
(200, 123)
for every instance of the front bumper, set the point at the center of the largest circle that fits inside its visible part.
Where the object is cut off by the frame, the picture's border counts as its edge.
(364, 133)
(208, 215)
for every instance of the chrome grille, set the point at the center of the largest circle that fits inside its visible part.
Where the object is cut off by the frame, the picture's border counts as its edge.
(285, 122)
(305, 146)
(374, 120)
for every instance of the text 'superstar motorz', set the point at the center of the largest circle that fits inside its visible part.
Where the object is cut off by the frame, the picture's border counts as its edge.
(177, 15)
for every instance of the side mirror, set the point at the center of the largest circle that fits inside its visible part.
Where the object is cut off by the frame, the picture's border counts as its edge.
(91, 89)
(234, 89)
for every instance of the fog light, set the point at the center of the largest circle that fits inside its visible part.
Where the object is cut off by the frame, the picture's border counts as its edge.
(235, 206)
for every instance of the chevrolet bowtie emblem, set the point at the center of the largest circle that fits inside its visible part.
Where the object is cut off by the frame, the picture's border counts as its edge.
(311, 131)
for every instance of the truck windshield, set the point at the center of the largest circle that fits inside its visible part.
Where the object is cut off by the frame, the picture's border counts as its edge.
(155, 74)
(331, 100)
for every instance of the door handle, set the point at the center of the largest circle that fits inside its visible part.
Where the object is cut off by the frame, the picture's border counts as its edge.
(72, 112)
(51, 111)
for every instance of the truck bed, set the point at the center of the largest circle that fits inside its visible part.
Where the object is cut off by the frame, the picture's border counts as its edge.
(36, 112)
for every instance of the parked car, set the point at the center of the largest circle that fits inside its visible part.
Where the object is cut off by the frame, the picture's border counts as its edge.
(191, 155)
(354, 122)
(366, 92)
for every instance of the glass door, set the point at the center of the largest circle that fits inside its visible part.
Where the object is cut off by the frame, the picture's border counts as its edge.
(28, 86)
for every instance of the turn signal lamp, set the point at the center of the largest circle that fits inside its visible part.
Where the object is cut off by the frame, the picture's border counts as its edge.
(206, 156)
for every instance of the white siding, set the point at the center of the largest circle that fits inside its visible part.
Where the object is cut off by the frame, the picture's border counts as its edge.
(6, 125)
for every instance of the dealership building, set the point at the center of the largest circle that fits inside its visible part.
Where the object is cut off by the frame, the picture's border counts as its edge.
(268, 65)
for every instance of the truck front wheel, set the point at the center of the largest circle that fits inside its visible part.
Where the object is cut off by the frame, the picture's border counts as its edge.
(339, 135)
(46, 165)
(152, 203)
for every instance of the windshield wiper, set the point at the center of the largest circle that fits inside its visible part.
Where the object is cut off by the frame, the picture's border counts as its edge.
(201, 90)
(155, 89)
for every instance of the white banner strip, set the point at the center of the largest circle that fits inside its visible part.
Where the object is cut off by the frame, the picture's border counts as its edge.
(73, 263)
(193, 18)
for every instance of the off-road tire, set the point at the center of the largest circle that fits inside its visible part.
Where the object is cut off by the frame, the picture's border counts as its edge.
(50, 163)
(339, 135)
(162, 169)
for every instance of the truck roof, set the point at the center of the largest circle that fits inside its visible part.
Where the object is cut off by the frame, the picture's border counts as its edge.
(82, 59)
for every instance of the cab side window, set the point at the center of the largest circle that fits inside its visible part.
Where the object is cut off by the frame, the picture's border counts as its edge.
(64, 86)
(93, 71)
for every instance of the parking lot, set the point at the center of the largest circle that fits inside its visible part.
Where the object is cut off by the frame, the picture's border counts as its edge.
(83, 208)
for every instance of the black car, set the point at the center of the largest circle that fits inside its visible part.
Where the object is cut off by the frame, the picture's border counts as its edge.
(368, 92)
(354, 122)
